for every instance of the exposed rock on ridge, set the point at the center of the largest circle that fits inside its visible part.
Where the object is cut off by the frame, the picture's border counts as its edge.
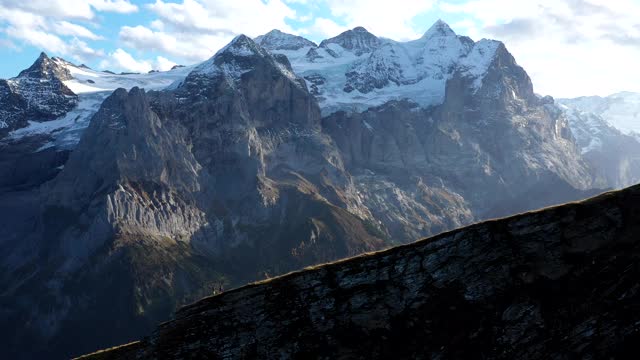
(557, 283)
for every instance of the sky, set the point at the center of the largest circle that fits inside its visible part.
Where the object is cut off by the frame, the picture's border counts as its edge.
(569, 48)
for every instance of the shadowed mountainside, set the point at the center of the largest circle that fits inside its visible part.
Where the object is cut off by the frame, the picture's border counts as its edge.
(561, 282)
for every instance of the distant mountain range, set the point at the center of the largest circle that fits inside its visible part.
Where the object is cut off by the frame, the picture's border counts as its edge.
(606, 130)
(125, 196)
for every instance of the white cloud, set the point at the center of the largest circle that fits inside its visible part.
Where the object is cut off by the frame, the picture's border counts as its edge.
(230, 17)
(6, 43)
(118, 6)
(392, 19)
(192, 47)
(37, 38)
(568, 47)
(50, 25)
(52, 8)
(164, 64)
(121, 60)
(67, 28)
(157, 25)
(65, 9)
(80, 50)
(194, 30)
(323, 28)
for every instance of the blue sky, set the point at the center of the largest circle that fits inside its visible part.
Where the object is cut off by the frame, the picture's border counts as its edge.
(569, 47)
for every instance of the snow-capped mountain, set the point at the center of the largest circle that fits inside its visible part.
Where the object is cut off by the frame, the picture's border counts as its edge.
(608, 131)
(611, 146)
(357, 70)
(620, 110)
(230, 172)
(46, 108)
(82, 90)
(37, 93)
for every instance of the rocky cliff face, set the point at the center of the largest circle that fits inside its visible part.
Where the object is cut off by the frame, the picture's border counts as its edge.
(557, 283)
(462, 153)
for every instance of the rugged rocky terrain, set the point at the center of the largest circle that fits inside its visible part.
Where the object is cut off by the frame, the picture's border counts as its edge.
(244, 167)
(557, 283)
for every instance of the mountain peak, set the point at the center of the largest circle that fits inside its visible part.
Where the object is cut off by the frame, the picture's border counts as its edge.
(45, 67)
(43, 56)
(276, 32)
(241, 45)
(439, 29)
(240, 56)
(278, 40)
(357, 39)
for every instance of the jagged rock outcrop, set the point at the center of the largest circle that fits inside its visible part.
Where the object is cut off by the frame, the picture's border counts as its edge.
(557, 283)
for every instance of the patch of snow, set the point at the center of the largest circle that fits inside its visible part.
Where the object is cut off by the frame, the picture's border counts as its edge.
(92, 87)
(477, 62)
(588, 129)
(416, 70)
(621, 110)
(239, 46)
(64, 132)
(90, 81)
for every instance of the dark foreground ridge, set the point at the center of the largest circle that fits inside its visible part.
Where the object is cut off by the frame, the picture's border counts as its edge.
(562, 282)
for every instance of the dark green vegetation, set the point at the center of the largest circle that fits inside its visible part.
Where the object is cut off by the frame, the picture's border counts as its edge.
(563, 282)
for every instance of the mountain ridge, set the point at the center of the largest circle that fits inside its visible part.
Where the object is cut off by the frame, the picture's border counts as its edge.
(551, 248)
